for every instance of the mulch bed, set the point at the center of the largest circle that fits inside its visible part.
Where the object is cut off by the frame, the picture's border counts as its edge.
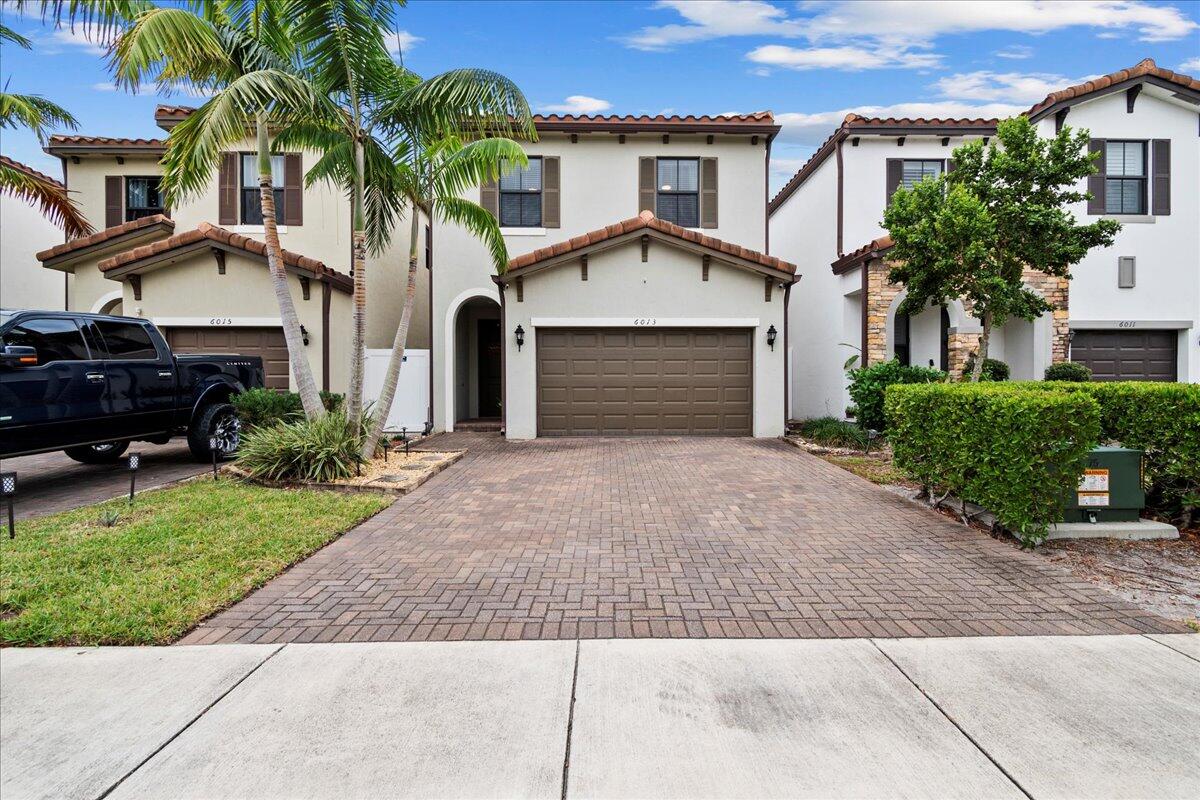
(397, 474)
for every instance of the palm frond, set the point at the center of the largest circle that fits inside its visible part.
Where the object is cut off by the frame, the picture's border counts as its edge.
(465, 102)
(35, 113)
(101, 18)
(170, 45)
(478, 222)
(53, 200)
(475, 163)
(7, 34)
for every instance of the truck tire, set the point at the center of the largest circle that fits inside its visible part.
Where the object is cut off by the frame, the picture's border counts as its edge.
(219, 421)
(104, 453)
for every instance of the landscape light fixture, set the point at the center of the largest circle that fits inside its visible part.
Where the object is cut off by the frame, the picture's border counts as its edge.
(387, 449)
(404, 436)
(8, 488)
(771, 334)
(213, 444)
(135, 460)
(520, 334)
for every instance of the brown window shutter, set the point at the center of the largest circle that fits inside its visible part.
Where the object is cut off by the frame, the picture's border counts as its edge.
(647, 177)
(1095, 184)
(551, 178)
(227, 190)
(895, 173)
(1160, 189)
(114, 202)
(708, 193)
(293, 189)
(489, 198)
(950, 165)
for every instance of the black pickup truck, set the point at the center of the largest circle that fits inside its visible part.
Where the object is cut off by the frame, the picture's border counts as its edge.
(89, 384)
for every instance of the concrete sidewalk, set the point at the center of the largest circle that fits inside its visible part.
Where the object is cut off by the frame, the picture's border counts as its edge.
(1042, 717)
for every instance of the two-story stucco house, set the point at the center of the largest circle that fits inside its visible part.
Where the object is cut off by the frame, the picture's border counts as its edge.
(639, 298)
(1131, 311)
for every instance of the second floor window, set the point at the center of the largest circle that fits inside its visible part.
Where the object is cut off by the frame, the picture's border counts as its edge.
(142, 198)
(915, 171)
(678, 191)
(251, 197)
(1125, 177)
(521, 196)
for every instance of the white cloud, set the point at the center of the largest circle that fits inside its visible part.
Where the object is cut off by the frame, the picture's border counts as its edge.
(1003, 87)
(812, 129)
(712, 19)
(401, 42)
(850, 58)
(106, 86)
(578, 104)
(1015, 52)
(1191, 66)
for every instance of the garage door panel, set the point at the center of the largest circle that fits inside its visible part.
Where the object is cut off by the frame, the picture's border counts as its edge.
(671, 381)
(1125, 355)
(266, 343)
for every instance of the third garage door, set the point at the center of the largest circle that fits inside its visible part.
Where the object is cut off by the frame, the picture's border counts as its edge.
(644, 381)
(1126, 355)
(265, 342)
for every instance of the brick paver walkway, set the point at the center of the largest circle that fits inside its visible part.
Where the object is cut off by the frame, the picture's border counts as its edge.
(51, 482)
(662, 537)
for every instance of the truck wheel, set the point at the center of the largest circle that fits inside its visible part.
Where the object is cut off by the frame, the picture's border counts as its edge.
(218, 421)
(105, 453)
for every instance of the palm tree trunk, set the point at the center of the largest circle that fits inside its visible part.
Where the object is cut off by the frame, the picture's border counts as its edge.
(977, 369)
(384, 406)
(310, 398)
(358, 253)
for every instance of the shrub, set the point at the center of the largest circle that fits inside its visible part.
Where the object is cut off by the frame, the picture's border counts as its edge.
(331, 400)
(868, 384)
(1068, 371)
(257, 408)
(1018, 454)
(305, 450)
(994, 370)
(833, 432)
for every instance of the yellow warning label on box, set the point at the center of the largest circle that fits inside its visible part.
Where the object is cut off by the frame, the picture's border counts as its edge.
(1092, 499)
(1094, 480)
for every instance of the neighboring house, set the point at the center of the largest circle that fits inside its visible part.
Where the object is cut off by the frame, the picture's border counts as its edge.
(199, 271)
(1130, 311)
(638, 299)
(23, 282)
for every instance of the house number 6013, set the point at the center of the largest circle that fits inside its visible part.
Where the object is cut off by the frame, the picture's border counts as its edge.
(646, 321)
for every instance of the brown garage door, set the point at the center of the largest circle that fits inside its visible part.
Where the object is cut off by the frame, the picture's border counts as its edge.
(265, 342)
(639, 381)
(1126, 355)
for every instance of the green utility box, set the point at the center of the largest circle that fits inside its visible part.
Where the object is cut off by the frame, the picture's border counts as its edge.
(1110, 489)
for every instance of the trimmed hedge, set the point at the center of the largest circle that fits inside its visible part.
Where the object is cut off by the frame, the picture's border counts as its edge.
(868, 385)
(258, 408)
(1069, 371)
(1018, 454)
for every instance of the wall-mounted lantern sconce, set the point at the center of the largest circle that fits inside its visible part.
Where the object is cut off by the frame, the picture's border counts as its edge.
(520, 334)
(304, 335)
(8, 488)
(771, 334)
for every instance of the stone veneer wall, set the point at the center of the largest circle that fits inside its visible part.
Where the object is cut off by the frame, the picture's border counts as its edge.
(881, 293)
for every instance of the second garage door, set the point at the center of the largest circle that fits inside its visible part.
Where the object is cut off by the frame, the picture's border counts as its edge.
(643, 381)
(265, 342)
(1126, 355)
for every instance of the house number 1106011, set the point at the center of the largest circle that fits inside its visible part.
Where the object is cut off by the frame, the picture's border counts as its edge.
(645, 321)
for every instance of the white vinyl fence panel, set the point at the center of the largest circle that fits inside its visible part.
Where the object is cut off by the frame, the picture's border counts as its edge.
(410, 407)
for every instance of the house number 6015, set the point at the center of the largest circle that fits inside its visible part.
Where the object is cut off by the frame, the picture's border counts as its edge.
(646, 321)
(220, 321)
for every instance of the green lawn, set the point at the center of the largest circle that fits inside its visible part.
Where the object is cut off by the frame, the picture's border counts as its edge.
(176, 557)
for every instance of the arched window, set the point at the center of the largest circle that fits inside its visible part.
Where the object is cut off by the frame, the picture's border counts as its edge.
(901, 339)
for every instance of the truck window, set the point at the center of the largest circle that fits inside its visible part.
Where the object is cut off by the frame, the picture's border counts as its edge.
(126, 341)
(54, 339)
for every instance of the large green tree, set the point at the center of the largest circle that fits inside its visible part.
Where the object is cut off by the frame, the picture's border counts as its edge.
(970, 234)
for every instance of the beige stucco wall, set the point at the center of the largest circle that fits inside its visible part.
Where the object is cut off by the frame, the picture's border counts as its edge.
(668, 289)
(23, 283)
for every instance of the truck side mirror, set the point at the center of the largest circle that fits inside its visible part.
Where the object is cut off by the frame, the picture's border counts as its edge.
(17, 355)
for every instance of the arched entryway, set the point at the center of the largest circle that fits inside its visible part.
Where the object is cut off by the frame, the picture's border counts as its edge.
(475, 364)
(110, 303)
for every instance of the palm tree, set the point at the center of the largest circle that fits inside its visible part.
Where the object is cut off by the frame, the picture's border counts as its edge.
(241, 51)
(429, 121)
(38, 115)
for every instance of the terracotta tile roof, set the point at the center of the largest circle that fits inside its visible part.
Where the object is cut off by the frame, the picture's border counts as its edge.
(62, 142)
(100, 237)
(28, 170)
(1144, 68)
(643, 221)
(234, 240)
(863, 254)
(173, 111)
(858, 121)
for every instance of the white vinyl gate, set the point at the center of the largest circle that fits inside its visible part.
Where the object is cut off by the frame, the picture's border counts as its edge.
(410, 408)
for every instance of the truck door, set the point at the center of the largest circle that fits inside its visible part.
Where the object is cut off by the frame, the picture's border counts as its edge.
(59, 401)
(141, 377)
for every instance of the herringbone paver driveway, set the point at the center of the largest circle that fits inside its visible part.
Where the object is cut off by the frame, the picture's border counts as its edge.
(662, 537)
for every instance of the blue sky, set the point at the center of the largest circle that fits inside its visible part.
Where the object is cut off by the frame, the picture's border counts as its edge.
(809, 62)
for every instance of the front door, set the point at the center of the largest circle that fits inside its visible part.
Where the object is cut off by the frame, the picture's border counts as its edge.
(58, 402)
(489, 367)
